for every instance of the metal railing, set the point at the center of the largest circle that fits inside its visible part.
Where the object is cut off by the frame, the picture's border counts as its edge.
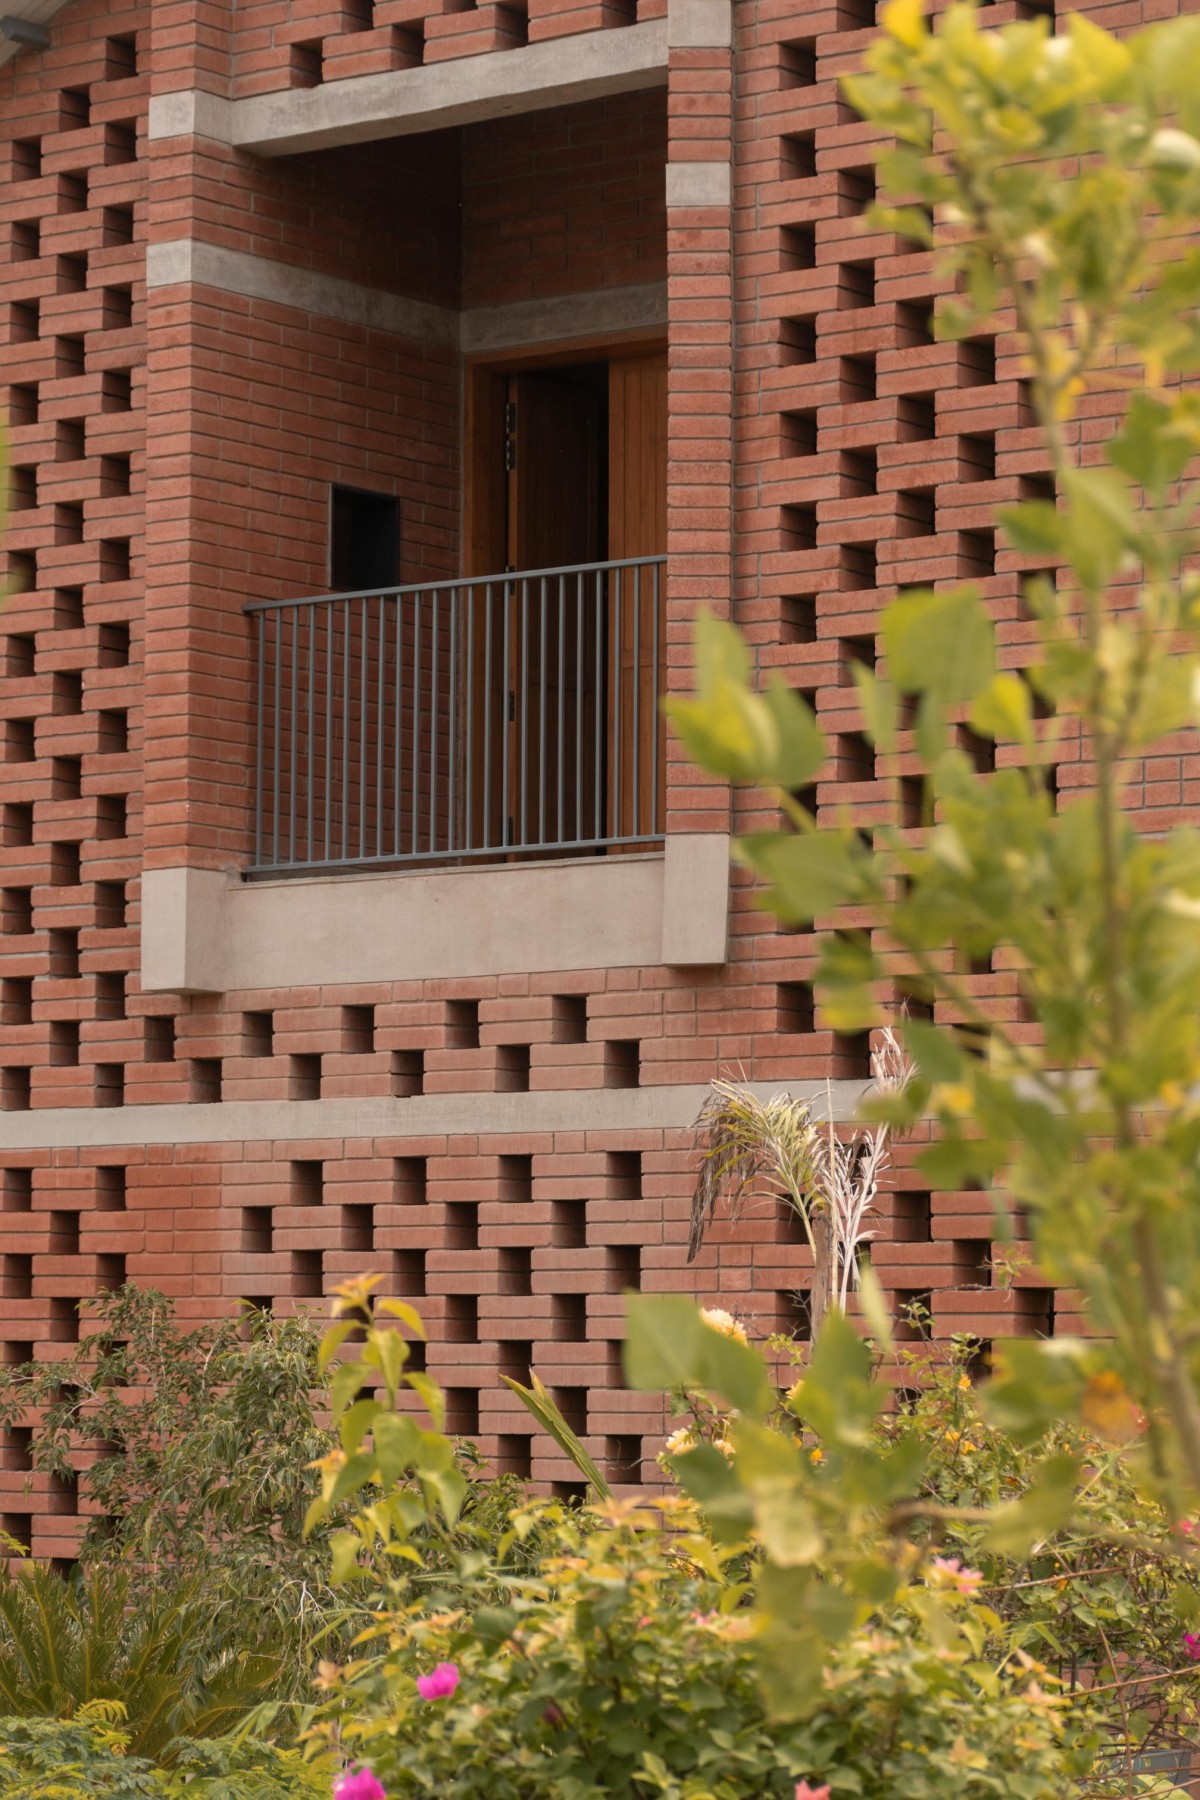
(491, 717)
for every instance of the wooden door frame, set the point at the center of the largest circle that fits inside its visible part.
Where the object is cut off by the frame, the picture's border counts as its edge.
(485, 377)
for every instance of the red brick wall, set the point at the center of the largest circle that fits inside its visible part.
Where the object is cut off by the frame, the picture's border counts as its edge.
(305, 43)
(813, 429)
(565, 201)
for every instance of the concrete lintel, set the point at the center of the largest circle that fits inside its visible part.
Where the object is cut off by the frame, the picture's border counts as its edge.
(191, 113)
(561, 317)
(558, 72)
(695, 917)
(601, 1110)
(700, 184)
(283, 284)
(699, 25)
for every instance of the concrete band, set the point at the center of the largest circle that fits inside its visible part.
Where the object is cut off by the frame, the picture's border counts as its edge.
(602, 1110)
(559, 72)
(207, 931)
(184, 260)
(180, 261)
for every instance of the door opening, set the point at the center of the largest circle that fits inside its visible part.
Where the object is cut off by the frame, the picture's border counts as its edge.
(567, 496)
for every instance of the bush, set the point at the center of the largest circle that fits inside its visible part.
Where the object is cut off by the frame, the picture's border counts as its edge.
(629, 1667)
(89, 1758)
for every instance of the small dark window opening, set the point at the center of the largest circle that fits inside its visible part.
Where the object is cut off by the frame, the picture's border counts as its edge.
(364, 541)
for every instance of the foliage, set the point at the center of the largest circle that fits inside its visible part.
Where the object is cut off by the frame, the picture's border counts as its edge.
(624, 1659)
(195, 1451)
(91, 1758)
(1058, 178)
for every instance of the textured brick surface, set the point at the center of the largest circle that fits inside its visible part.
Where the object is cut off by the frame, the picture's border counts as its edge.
(823, 451)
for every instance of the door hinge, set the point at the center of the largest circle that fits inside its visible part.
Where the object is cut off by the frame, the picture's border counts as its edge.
(510, 435)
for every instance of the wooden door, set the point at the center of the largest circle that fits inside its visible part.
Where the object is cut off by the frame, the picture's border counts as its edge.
(554, 455)
(637, 527)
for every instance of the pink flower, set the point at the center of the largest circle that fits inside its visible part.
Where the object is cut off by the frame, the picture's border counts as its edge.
(358, 1784)
(804, 1792)
(1191, 1643)
(439, 1685)
(949, 1572)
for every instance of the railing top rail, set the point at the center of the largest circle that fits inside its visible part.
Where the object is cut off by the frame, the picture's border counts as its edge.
(459, 581)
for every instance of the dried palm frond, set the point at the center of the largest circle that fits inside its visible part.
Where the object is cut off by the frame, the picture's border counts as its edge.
(831, 1183)
(746, 1144)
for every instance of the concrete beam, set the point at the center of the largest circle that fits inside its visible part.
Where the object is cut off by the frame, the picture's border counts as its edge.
(555, 319)
(559, 72)
(284, 284)
(560, 317)
(606, 1110)
(204, 931)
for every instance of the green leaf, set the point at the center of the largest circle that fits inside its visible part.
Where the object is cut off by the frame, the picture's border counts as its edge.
(736, 1371)
(1004, 710)
(809, 874)
(1146, 449)
(538, 1400)
(941, 644)
(877, 700)
(787, 1529)
(800, 740)
(331, 1343)
(663, 1341)
(343, 1556)
(1040, 1512)
(397, 1442)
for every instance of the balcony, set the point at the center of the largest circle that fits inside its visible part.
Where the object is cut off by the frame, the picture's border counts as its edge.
(490, 719)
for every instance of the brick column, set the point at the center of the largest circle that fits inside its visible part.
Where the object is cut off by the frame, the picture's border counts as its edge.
(700, 284)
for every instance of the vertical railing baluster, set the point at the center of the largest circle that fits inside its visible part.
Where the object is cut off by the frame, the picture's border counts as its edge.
(506, 720)
(416, 719)
(260, 624)
(655, 697)
(542, 692)
(599, 725)
(452, 731)
(330, 657)
(433, 718)
(346, 656)
(580, 705)
(617, 685)
(277, 736)
(293, 708)
(469, 610)
(312, 726)
(487, 729)
(364, 693)
(560, 831)
(635, 703)
(380, 729)
(523, 713)
(400, 724)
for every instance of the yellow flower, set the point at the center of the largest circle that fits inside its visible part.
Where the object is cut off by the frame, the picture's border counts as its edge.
(964, 1384)
(817, 1455)
(724, 1322)
(679, 1441)
(967, 1445)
